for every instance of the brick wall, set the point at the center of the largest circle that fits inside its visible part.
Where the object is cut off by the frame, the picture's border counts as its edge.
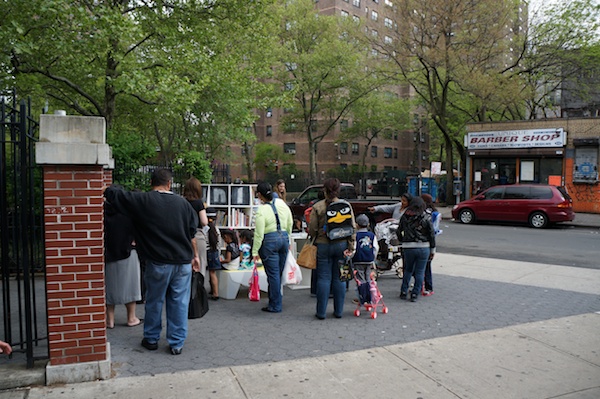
(73, 205)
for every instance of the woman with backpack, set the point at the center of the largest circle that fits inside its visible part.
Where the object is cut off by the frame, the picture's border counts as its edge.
(418, 244)
(332, 227)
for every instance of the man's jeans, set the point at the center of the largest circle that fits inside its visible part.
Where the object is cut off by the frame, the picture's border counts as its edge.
(273, 252)
(171, 283)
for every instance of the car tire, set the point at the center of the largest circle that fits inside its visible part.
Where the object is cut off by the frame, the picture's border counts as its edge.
(538, 220)
(466, 216)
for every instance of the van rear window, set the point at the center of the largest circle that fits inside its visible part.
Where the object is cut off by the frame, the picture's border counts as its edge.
(541, 193)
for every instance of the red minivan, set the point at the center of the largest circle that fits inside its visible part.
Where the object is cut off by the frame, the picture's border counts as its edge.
(535, 204)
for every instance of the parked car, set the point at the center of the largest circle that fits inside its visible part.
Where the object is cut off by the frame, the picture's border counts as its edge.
(347, 192)
(535, 204)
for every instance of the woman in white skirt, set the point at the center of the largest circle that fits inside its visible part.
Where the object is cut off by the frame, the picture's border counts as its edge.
(122, 269)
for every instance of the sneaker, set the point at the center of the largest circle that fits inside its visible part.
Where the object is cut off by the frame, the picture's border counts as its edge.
(427, 293)
(176, 351)
(355, 301)
(403, 295)
(151, 346)
(413, 297)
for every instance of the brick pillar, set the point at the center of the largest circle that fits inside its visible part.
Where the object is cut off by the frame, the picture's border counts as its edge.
(74, 156)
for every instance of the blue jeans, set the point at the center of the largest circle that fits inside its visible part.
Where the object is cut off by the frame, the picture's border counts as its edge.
(273, 252)
(171, 283)
(328, 277)
(415, 260)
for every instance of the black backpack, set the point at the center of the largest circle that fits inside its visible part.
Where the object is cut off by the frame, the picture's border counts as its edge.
(338, 220)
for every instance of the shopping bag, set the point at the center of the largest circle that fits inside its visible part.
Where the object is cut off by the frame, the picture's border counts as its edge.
(291, 271)
(198, 297)
(345, 269)
(254, 290)
(308, 256)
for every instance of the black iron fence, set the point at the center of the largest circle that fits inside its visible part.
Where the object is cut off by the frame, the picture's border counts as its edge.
(22, 262)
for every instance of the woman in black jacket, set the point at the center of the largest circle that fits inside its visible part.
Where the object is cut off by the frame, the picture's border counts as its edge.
(418, 244)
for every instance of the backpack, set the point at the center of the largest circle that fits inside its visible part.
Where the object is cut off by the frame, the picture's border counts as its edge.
(338, 220)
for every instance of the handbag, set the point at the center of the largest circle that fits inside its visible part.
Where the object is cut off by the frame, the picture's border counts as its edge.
(291, 271)
(345, 266)
(308, 255)
(199, 297)
(254, 289)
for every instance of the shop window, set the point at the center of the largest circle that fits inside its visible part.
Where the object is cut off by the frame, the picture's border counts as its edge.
(585, 168)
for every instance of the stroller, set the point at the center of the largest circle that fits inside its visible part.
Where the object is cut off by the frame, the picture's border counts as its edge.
(389, 257)
(369, 295)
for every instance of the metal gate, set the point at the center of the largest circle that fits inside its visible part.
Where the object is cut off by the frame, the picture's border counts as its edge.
(22, 260)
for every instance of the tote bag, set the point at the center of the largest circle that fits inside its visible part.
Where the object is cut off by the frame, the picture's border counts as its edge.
(198, 298)
(308, 256)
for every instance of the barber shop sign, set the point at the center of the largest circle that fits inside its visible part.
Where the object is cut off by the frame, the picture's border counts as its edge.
(532, 138)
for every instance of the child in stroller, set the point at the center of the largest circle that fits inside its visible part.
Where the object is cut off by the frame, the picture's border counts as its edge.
(390, 254)
(363, 260)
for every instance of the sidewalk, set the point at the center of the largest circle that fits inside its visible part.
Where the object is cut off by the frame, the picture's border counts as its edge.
(493, 329)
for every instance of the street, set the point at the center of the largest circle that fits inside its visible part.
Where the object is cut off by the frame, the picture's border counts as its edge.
(557, 245)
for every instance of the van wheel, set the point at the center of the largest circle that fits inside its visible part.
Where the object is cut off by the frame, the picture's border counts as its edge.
(466, 216)
(538, 220)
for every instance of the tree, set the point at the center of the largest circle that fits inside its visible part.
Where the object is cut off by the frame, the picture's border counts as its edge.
(267, 159)
(561, 42)
(380, 114)
(176, 71)
(441, 45)
(322, 70)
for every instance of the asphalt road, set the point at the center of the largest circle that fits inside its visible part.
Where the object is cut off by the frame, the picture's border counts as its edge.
(558, 245)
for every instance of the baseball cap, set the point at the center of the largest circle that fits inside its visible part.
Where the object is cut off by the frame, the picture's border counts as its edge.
(362, 220)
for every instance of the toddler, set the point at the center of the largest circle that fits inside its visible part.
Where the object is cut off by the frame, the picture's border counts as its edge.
(246, 237)
(366, 253)
(231, 260)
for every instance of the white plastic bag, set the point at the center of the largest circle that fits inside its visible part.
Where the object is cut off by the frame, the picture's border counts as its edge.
(291, 271)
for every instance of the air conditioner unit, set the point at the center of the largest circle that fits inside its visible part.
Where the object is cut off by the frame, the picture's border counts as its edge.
(293, 152)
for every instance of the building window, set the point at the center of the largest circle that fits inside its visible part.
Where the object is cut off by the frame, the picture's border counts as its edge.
(269, 112)
(387, 152)
(374, 15)
(374, 151)
(356, 18)
(344, 13)
(289, 148)
(354, 148)
(356, 3)
(289, 86)
(344, 124)
(387, 40)
(343, 148)
(395, 153)
(389, 3)
(374, 33)
(269, 130)
(388, 23)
